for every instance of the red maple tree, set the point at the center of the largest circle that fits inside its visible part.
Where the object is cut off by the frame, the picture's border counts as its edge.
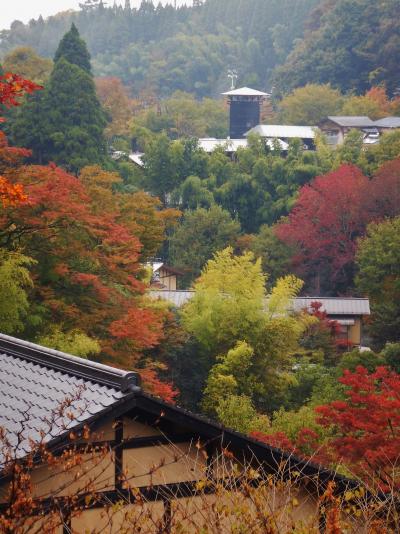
(329, 216)
(12, 89)
(367, 424)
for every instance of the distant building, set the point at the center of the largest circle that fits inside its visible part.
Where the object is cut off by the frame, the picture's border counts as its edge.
(231, 146)
(388, 124)
(284, 133)
(164, 277)
(336, 128)
(349, 313)
(245, 108)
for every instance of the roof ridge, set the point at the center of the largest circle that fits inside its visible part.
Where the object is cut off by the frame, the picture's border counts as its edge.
(333, 298)
(61, 361)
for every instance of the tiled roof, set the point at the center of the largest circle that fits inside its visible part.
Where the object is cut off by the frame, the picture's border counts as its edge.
(35, 381)
(332, 305)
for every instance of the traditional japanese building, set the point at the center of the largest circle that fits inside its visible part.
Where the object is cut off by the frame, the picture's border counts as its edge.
(336, 129)
(350, 313)
(140, 457)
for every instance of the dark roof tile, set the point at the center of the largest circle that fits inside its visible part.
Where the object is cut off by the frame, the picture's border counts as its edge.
(35, 381)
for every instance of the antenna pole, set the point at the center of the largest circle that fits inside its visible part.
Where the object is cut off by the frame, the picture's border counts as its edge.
(233, 75)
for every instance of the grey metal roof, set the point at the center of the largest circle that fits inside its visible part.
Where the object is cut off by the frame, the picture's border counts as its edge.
(388, 122)
(245, 91)
(35, 381)
(283, 131)
(331, 305)
(209, 144)
(353, 121)
(335, 306)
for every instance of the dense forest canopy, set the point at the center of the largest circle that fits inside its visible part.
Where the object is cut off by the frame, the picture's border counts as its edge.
(167, 49)
(351, 44)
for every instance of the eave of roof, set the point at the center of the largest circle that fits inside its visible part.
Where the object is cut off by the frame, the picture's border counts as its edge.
(245, 91)
(61, 361)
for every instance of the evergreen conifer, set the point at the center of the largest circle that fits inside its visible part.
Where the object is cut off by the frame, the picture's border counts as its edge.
(77, 120)
(65, 122)
(74, 50)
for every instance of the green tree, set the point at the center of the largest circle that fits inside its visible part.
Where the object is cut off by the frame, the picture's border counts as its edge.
(310, 104)
(378, 261)
(201, 233)
(163, 161)
(391, 354)
(77, 121)
(238, 412)
(275, 255)
(231, 315)
(73, 49)
(182, 116)
(363, 106)
(342, 47)
(24, 61)
(73, 342)
(65, 123)
(15, 280)
(387, 149)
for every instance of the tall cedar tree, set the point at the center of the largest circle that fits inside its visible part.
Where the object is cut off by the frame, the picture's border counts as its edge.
(66, 123)
(74, 50)
(76, 118)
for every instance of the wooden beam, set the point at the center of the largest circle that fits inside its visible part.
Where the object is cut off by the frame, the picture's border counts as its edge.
(118, 453)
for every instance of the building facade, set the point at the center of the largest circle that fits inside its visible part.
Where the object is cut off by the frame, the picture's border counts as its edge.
(142, 462)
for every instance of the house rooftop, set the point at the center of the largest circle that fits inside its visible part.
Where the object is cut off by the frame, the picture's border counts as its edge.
(245, 91)
(209, 144)
(335, 305)
(35, 381)
(345, 306)
(283, 131)
(352, 121)
(388, 122)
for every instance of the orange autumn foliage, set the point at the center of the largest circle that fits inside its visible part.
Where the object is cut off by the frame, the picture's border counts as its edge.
(12, 89)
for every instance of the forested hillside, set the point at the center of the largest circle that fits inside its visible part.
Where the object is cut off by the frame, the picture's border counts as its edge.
(351, 44)
(187, 49)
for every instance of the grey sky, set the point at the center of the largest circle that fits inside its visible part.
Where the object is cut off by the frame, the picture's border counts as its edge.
(25, 10)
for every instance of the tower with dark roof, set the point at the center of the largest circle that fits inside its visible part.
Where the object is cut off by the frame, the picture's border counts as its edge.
(245, 108)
